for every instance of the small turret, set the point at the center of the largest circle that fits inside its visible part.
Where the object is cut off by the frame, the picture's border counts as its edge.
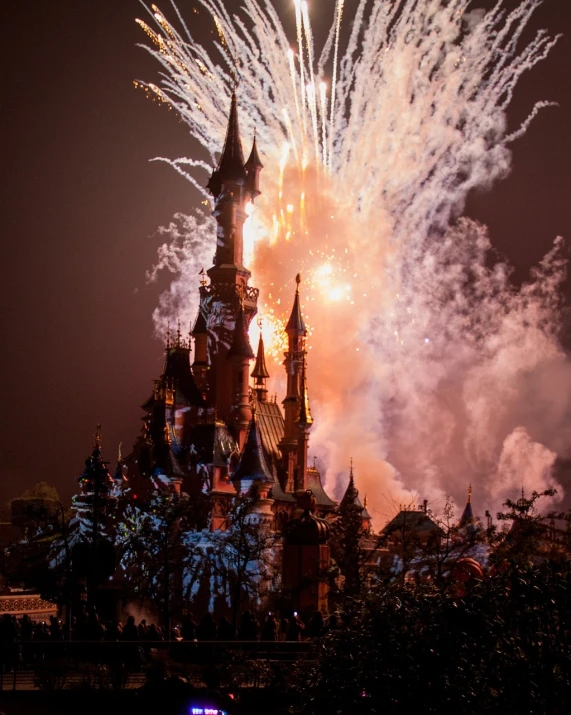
(294, 364)
(240, 354)
(94, 502)
(200, 365)
(295, 327)
(260, 372)
(350, 503)
(253, 168)
(119, 473)
(467, 517)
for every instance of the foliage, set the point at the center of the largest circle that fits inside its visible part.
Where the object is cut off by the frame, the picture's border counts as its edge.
(242, 556)
(346, 541)
(40, 558)
(41, 490)
(503, 648)
(152, 551)
(439, 556)
(167, 562)
(529, 536)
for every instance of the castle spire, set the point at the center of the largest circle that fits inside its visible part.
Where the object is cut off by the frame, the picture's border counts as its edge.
(351, 495)
(351, 504)
(253, 168)
(295, 323)
(260, 372)
(97, 440)
(231, 164)
(295, 406)
(467, 517)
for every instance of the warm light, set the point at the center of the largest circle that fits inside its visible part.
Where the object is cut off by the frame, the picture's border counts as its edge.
(325, 270)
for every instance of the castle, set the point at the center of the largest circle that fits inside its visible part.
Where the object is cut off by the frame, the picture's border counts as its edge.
(206, 430)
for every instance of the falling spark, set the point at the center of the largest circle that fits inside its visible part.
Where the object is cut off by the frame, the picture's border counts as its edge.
(362, 188)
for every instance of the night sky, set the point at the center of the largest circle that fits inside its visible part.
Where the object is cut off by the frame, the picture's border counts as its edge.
(81, 203)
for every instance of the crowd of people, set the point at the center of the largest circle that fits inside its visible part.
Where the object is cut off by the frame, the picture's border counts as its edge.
(89, 627)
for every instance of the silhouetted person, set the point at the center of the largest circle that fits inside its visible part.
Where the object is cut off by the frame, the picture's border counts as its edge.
(284, 627)
(95, 630)
(26, 628)
(8, 638)
(130, 630)
(142, 628)
(225, 630)
(131, 649)
(113, 631)
(188, 628)
(316, 626)
(296, 628)
(269, 629)
(55, 629)
(154, 634)
(248, 630)
(206, 630)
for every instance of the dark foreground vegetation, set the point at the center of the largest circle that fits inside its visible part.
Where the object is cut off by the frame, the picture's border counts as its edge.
(419, 634)
(503, 646)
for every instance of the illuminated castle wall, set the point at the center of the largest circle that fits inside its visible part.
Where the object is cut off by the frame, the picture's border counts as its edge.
(206, 429)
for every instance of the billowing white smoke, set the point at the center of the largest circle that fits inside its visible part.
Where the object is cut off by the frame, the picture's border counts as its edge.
(427, 366)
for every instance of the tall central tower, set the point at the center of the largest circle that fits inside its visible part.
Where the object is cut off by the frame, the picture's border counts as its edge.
(228, 303)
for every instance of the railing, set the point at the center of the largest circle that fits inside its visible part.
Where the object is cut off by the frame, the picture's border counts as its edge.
(55, 665)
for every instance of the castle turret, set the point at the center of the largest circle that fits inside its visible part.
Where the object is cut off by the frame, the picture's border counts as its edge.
(233, 185)
(294, 362)
(253, 168)
(240, 354)
(260, 372)
(93, 504)
(200, 364)
(351, 504)
(304, 423)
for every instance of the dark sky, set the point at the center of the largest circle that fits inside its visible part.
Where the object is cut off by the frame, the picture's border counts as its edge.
(81, 204)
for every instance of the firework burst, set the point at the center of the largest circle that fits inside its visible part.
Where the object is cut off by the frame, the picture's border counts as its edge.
(371, 145)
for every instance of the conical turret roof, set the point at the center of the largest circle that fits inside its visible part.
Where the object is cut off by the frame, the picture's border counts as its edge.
(254, 159)
(231, 164)
(252, 466)
(468, 513)
(295, 322)
(95, 474)
(351, 495)
(260, 371)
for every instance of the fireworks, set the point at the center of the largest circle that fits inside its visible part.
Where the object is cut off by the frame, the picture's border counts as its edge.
(420, 353)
